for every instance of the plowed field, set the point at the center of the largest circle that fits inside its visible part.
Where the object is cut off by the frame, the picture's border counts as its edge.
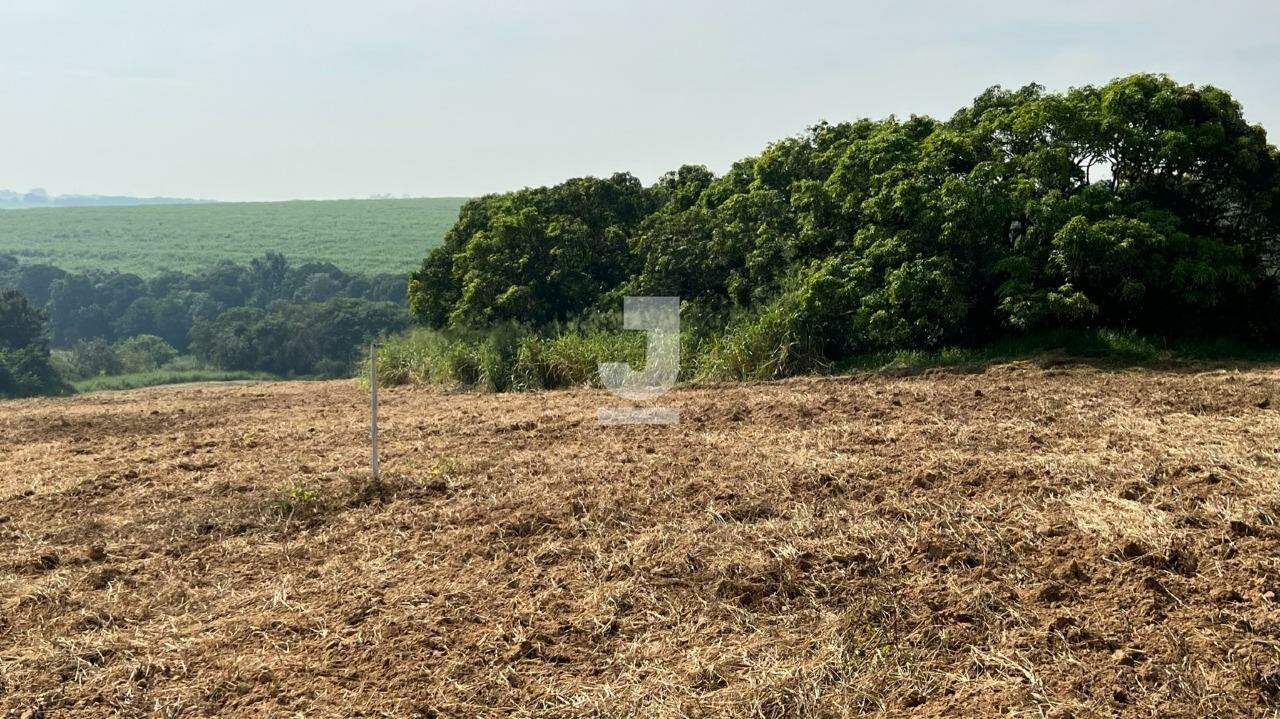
(1021, 540)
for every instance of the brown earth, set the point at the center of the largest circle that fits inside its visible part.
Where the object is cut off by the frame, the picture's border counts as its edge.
(1018, 541)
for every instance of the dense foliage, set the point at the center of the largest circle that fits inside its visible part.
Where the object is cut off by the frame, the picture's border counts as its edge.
(1140, 205)
(367, 236)
(25, 367)
(295, 337)
(266, 316)
(535, 255)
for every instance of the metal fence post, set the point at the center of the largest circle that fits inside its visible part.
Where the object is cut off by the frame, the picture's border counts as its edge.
(373, 409)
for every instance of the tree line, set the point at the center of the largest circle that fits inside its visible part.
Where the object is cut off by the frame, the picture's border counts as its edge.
(1142, 204)
(267, 315)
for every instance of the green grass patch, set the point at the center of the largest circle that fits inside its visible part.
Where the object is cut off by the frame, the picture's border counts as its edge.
(134, 380)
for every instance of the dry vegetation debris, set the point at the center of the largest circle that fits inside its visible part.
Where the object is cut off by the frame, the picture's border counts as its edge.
(1020, 541)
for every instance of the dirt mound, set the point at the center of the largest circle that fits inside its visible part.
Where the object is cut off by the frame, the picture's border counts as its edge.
(1070, 542)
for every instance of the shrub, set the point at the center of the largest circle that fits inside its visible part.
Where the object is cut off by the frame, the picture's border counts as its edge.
(414, 357)
(93, 358)
(777, 341)
(144, 353)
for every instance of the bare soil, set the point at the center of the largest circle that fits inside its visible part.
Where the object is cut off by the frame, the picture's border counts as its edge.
(1025, 541)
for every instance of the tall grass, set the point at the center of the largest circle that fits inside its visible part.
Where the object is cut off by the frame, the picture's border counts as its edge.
(771, 344)
(764, 346)
(505, 358)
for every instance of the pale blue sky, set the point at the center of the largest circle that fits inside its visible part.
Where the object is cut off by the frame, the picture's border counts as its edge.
(239, 100)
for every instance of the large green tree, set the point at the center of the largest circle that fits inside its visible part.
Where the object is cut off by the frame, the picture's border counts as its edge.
(1142, 203)
(24, 350)
(535, 256)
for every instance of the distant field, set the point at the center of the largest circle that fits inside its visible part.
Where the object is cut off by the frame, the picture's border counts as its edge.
(356, 235)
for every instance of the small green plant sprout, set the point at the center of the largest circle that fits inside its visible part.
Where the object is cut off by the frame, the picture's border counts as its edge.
(296, 499)
(442, 467)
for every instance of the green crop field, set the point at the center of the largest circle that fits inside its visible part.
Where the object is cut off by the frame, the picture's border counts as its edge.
(357, 235)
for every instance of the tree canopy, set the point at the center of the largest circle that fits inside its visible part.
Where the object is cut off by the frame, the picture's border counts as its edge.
(25, 368)
(1142, 204)
(267, 315)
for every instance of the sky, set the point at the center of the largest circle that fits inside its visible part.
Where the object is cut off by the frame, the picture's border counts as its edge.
(281, 99)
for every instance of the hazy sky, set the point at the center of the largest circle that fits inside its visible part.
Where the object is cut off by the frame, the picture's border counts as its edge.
(280, 99)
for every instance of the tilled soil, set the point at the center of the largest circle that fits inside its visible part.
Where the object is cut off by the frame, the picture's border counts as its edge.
(1024, 541)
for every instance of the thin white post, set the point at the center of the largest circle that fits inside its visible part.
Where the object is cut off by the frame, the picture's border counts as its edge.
(373, 409)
